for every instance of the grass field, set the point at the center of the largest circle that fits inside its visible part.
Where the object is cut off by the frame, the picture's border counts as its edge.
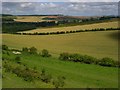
(113, 24)
(77, 75)
(98, 44)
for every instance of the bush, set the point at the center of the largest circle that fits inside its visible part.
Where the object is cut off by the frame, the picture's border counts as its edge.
(75, 57)
(26, 74)
(59, 82)
(18, 59)
(45, 53)
(64, 56)
(45, 77)
(8, 68)
(107, 62)
(33, 50)
(25, 49)
(89, 59)
(5, 47)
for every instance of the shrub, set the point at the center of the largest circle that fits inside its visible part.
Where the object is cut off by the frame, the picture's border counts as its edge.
(45, 77)
(59, 82)
(5, 47)
(25, 49)
(107, 62)
(8, 68)
(33, 50)
(64, 56)
(28, 78)
(88, 59)
(74, 57)
(45, 53)
(18, 59)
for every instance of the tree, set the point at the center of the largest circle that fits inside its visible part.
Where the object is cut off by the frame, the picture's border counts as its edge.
(45, 53)
(33, 50)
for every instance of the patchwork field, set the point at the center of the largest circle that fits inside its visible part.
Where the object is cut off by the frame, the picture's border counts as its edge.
(113, 24)
(97, 44)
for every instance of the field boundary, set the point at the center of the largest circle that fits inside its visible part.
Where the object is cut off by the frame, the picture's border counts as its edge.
(66, 32)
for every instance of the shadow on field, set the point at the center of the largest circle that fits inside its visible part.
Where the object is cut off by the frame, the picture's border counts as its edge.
(115, 35)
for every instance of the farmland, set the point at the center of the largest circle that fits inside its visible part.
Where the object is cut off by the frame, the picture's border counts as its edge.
(113, 24)
(30, 18)
(98, 44)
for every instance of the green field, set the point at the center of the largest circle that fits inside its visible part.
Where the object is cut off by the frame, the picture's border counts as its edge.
(77, 75)
(98, 44)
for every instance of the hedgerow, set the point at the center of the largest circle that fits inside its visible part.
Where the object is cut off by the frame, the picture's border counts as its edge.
(106, 61)
(66, 32)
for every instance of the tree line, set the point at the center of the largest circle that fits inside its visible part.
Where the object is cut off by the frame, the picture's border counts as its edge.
(11, 26)
(66, 32)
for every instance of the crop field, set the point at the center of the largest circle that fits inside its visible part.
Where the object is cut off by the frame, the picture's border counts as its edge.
(113, 24)
(98, 44)
(30, 18)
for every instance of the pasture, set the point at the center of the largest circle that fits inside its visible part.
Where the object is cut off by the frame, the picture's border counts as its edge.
(77, 75)
(98, 44)
(113, 24)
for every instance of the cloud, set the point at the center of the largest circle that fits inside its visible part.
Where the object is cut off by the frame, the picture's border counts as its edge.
(66, 8)
(60, 1)
(25, 4)
(48, 5)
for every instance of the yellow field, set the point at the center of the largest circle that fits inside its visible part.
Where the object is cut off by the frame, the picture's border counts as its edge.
(30, 18)
(113, 24)
(98, 44)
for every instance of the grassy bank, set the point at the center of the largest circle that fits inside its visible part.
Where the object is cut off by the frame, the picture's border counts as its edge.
(77, 75)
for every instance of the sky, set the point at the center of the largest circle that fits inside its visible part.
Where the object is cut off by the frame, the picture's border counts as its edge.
(72, 7)
(59, 0)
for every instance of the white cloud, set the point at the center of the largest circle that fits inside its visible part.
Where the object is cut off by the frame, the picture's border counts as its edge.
(60, 1)
(48, 5)
(72, 8)
(25, 4)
